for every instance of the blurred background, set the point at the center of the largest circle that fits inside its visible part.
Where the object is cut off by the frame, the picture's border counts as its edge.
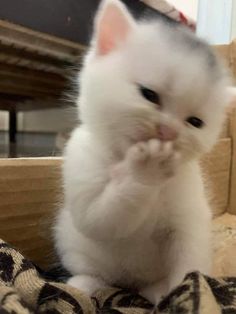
(41, 45)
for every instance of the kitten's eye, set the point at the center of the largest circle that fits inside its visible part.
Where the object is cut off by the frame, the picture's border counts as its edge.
(150, 95)
(196, 122)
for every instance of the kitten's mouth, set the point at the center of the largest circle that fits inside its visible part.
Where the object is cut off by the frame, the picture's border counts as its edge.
(142, 138)
(143, 134)
(143, 131)
(161, 132)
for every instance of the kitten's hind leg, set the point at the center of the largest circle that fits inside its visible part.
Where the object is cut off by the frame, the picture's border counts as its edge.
(86, 283)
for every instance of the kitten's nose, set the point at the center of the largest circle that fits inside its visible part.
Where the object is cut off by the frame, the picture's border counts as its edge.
(166, 133)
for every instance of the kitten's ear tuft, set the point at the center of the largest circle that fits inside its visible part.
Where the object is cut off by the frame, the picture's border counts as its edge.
(112, 26)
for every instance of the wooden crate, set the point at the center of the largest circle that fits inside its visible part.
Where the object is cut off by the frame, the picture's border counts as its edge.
(30, 191)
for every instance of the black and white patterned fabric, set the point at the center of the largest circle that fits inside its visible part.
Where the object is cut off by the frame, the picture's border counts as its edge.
(25, 289)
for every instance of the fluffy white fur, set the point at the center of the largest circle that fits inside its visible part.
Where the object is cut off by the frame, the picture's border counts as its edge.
(135, 213)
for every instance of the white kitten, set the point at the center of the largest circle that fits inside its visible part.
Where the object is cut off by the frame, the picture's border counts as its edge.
(152, 101)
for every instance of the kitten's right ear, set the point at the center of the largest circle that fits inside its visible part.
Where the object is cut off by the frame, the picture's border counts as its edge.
(113, 24)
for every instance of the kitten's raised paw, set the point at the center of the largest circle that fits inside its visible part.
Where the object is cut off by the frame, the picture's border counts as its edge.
(87, 284)
(144, 150)
(153, 157)
(152, 149)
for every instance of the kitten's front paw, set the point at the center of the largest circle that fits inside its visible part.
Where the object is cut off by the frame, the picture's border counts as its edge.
(153, 159)
(87, 284)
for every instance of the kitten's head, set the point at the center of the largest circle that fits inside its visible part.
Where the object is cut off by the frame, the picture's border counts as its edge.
(151, 79)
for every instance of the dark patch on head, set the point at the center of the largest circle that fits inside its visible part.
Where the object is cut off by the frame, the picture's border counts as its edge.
(199, 46)
(184, 39)
(180, 35)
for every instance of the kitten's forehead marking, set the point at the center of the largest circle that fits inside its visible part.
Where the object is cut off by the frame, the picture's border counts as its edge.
(199, 46)
(180, 36)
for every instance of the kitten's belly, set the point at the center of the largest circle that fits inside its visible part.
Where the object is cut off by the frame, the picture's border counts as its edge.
(130, 263)
(137, 263)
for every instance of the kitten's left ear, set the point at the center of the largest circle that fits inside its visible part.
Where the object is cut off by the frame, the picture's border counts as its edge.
(113, 24)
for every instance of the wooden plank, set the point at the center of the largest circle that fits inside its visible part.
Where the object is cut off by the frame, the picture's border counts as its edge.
(31, 64)
(33, 81)
(30, 192)
(25, 209)
(33, 57)
(22, 104)
(228, 54)
(232, 203)
(233, 58)
(43, 77)
(224, 51)
(225, 129)
(216, 171)
(25, 162)
(34, 184)
(28, 196)
(30, 90)
(224, 246)
(28, 172)
(41, 43)
(218, 159)
(218, 191)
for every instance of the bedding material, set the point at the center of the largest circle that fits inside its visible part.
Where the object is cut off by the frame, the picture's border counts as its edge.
(25, 288)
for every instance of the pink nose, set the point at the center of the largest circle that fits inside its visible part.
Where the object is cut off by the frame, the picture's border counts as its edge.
(166, 133)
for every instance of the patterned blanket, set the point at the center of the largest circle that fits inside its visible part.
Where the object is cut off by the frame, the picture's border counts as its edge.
(24, 289)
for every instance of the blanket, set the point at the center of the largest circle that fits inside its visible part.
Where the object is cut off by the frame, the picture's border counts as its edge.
(26, 289)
